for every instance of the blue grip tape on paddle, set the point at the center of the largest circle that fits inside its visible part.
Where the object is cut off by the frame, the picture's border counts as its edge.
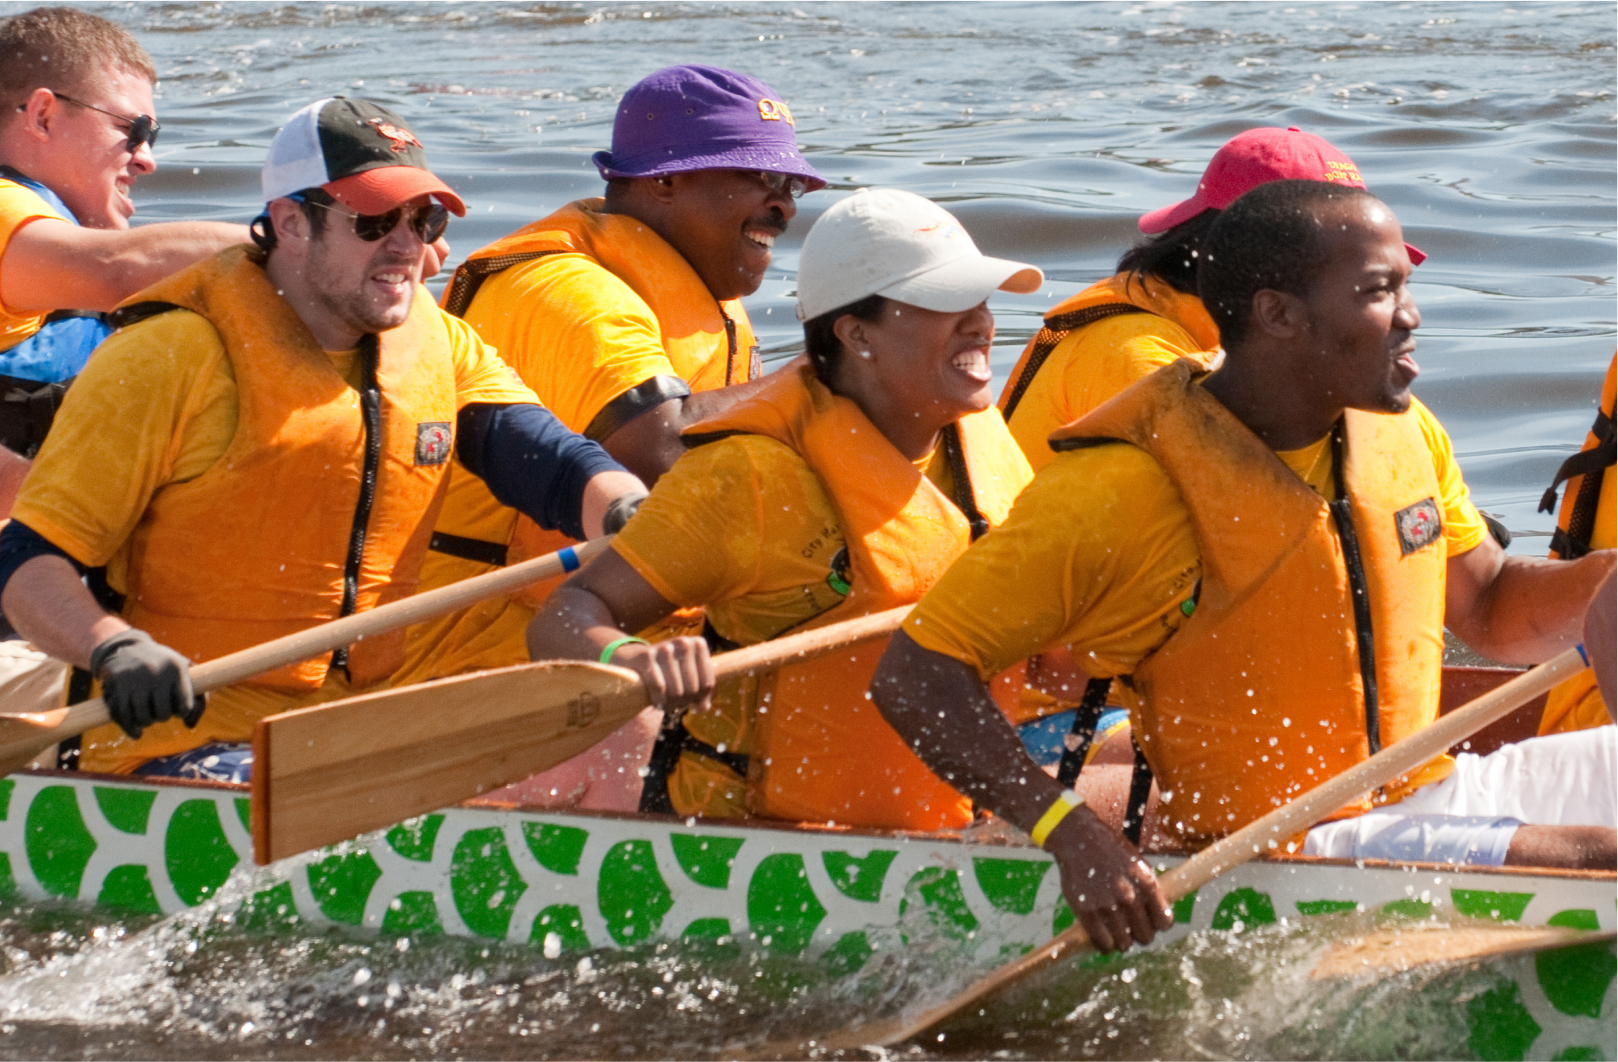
(570, 559)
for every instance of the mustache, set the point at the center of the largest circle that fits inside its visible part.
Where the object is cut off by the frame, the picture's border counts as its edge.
(775, 221)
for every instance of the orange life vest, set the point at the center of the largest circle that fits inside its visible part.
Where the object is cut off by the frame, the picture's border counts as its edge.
(1584, 523)
(1263, 692)
(282, 533)
(710, 344)
(1119, 294)
(821, 750)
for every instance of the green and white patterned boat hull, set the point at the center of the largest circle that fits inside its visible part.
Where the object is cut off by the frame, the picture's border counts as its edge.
(566, 882)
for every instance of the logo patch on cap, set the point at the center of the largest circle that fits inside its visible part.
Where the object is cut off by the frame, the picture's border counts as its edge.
(401, 139)
(775, 111)
(1343, 172)
(433, 439)
(1419, 525)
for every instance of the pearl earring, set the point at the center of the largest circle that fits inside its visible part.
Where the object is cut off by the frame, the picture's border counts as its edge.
(866, 354)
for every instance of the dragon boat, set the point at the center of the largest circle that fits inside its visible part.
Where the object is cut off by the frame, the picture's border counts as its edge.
(573, 881)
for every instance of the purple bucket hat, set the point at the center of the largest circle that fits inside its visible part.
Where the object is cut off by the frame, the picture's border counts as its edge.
(703, 118)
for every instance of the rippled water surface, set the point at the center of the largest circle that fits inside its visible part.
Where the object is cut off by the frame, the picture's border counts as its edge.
(1048, 129)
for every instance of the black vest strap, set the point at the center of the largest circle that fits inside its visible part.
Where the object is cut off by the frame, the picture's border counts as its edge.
(1573, 542)
(1057, 328)
(961, 482)
(134, 313)
(1085, 718)
(473, 272)
(649, 393)
(1140, 792)
(475, 550)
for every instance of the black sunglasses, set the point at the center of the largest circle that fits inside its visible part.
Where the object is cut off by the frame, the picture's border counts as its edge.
(143, 128)
(428, 222)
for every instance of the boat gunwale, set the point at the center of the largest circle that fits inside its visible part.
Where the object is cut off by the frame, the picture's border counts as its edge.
(823, 830)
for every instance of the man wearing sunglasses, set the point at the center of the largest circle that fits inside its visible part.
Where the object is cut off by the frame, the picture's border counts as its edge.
(262, 447)
(76, 132)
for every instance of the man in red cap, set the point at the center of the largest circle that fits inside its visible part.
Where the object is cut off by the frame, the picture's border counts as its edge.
(1120, 329)
(261, 447)
(1267, 556)
(624, 315)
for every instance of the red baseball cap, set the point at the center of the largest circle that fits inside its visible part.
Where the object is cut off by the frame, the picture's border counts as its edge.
(1257, 157)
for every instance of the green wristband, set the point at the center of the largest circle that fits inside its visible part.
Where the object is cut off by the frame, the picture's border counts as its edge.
(617, 643)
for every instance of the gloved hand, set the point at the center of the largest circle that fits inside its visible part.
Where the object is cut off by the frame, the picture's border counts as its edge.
(143, 682)
(619, 512)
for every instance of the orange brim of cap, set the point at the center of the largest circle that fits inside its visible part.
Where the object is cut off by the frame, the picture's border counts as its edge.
(379, 190)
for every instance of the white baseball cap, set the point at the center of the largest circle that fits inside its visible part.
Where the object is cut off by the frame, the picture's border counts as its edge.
(881, 241)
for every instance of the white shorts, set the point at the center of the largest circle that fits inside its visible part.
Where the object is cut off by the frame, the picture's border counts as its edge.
(1470, 817)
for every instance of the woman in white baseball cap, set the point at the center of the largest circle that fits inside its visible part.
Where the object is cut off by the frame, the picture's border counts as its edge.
(846, 486)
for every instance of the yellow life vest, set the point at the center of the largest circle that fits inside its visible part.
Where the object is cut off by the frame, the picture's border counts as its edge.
(1584, 523)
(1123, 293)
(820, 749)
(324, 500)
(1317, 636)
(709, 344)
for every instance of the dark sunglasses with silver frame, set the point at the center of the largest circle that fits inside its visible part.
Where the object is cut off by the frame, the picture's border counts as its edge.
(143, 128)
(428, 221)
(779, 183)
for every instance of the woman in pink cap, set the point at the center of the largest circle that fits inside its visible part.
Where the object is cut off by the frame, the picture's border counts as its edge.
(1148, 314)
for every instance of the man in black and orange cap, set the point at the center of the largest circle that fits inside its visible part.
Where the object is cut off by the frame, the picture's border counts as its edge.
(260, 448)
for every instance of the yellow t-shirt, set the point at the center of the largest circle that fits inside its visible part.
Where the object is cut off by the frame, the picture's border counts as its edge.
(1098, 555)
(744, 528)
(576, 333)
(157, 406)
(580, 337)
(19, 205)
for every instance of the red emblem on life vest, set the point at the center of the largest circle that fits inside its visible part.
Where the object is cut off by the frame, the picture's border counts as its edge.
(1418, 525)
(433, 439)
(400, 138)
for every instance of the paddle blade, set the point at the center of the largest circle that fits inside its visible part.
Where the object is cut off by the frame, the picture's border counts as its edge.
(1395, 949)
(334, 771)
(22, 737)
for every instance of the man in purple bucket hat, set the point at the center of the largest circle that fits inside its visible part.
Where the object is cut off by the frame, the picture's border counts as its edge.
(624, 315)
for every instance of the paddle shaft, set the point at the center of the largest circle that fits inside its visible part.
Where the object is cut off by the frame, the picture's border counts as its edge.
(1269, 832)
(294, 648)
(808, 644)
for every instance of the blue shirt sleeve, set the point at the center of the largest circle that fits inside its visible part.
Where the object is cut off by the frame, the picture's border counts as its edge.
(20, 544)
(530, 461)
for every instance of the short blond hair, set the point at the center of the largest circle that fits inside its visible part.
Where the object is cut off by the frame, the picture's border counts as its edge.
(65, 50)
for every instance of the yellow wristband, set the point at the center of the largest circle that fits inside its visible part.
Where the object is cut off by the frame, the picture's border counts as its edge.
(1054, 815)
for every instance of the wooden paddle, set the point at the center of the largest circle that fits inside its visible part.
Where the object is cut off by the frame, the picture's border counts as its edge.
(334, 771)
(1256, 838)
(1405, 947)
(24, 736)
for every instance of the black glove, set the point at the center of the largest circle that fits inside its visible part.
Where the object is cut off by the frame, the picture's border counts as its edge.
(619, 512)
(144, 683)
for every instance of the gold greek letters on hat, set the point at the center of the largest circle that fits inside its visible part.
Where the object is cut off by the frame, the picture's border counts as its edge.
(775, 111)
